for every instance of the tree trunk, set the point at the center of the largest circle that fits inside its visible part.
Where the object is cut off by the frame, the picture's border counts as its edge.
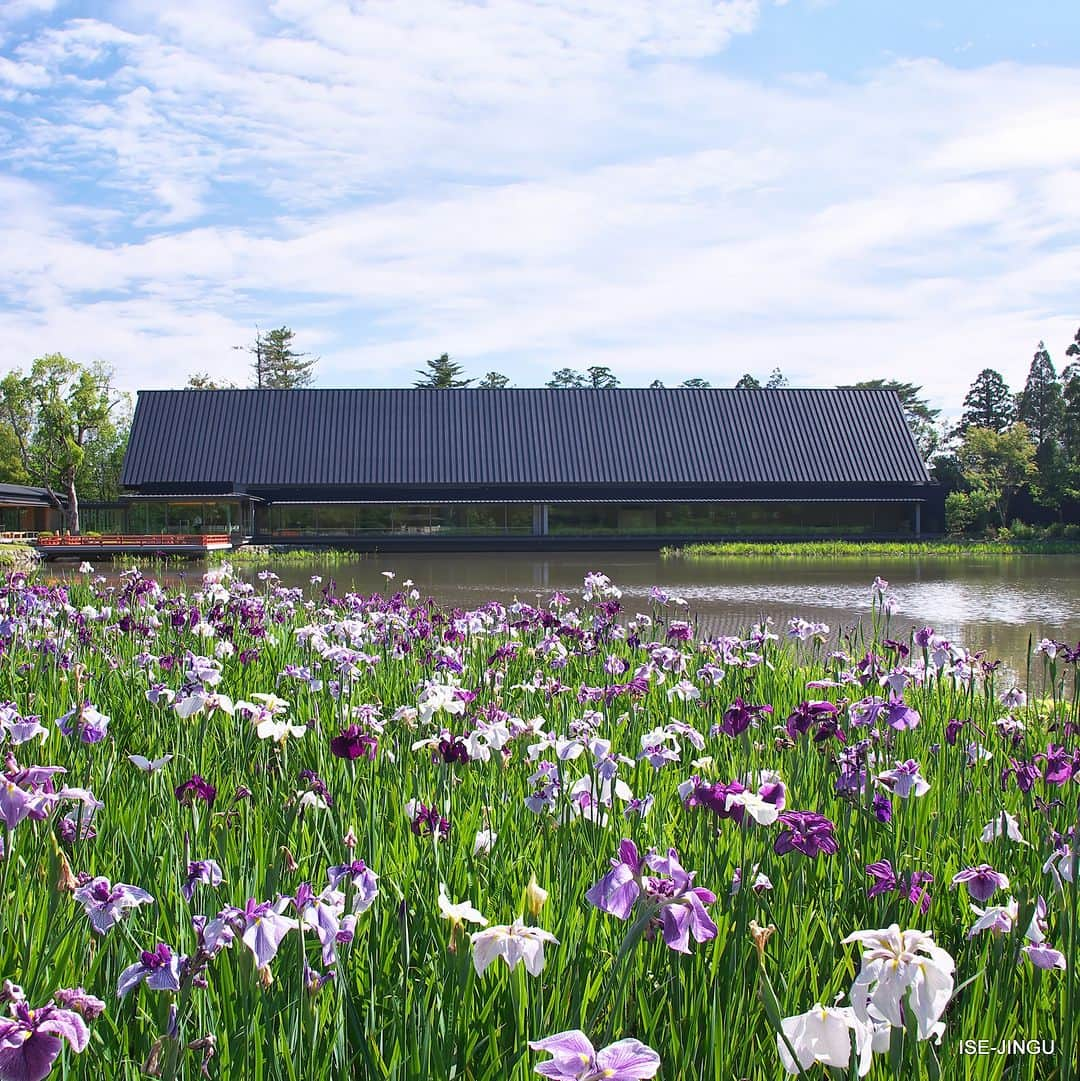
(71, 511)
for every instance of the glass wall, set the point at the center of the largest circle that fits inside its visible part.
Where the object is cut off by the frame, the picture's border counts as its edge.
(286, 521)
(158, 516)
(731, 519)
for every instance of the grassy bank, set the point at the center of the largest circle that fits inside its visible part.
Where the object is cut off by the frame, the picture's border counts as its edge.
(18, 557)
(284, 555)
(958, 548)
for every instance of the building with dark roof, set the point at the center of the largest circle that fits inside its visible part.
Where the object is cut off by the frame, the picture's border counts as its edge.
(438, 465)
(25, 509)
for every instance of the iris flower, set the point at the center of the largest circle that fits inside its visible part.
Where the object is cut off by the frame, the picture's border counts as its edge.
(513, 943)
(679, 904)
(30, 1040)
(573, 1058)
(159, 968)
(902, 971)
(823, 1034)
(105, 904)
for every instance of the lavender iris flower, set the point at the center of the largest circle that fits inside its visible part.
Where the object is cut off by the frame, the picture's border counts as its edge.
(364, 881)
(264, 928)
(982, 881)
(680, 906)
(105, 903)
(159, 968)
(206, 872)
(30, 1040)
(90, 725)
(573, 1058)
(806, 832)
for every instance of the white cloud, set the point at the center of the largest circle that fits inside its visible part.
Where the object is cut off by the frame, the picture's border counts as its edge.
(529, 186)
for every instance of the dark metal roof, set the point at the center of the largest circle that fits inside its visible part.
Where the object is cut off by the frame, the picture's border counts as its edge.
(19, 495)
(416, 438)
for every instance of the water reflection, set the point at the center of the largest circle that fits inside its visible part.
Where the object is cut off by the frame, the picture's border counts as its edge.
(989, 603)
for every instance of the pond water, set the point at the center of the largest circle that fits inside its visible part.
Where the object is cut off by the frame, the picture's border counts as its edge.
(987, 602)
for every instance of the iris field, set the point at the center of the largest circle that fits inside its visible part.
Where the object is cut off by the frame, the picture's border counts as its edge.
(251, 832)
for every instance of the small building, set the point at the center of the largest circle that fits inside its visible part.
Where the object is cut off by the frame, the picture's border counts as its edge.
(25, 509)
(485, 467)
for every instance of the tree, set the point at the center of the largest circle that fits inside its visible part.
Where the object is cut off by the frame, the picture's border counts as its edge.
(55, 413)
(12, 470)
(205, 381)
(658, 384)
(777, 380)
(1070, 428)
(566, 377)
(494, 381)
(921, 419)
(441, 373)
(601, 378)
(997, 464)
(748, 382)
(1040, 405)
(276, 364)
(989, 404)
(696, 382)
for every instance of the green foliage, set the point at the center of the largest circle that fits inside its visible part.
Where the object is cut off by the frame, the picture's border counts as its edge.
(988, 404)
(600, 377)
(441, 373)
(997, 464)
(59, 414)
(748, 382)
(566, 378)
(494, 381)
(12, 469)
(1040, 404)
(777, 380)
(696, 382)
(205, 381)
(275, 364)
(967, 511)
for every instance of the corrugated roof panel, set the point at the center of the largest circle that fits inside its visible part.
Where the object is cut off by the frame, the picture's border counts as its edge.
(470, 437)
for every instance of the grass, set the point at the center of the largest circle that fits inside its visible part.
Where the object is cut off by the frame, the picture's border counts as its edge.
(956, 548)
(402, 1005)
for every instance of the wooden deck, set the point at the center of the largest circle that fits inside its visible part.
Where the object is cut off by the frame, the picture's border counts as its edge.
(108, 544)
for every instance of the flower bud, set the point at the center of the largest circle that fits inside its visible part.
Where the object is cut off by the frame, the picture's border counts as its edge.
(535, 896)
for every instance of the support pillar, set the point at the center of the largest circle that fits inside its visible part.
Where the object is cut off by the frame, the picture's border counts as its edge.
(918, 519)
(540, 520)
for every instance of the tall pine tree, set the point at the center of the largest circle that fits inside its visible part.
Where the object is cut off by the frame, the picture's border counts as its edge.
(1040, 405)
(989, 404)
(275, 364)
(442, 374)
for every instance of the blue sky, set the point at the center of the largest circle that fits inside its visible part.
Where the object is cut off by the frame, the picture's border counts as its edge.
(843, 189)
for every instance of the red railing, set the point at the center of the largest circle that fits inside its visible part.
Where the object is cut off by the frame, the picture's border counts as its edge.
(135, 540)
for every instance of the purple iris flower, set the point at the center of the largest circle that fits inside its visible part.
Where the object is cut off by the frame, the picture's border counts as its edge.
(952, 731)
(196, 788)
(573, 1058)
(353, 742)
(680, 904)
(739, 716)
(105, 903)
(206, 872)
(882, 808)
(1059, 764)
(263, 929)
(886, 880)
(806, 832)
(452, 750)
(30, 1040)
(899, 715)
(426, 820)
(82, 1002)
(85, 720)
(364, 881)
(982, 881)
(1026, 774)
(806, 714)
(160, 968)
